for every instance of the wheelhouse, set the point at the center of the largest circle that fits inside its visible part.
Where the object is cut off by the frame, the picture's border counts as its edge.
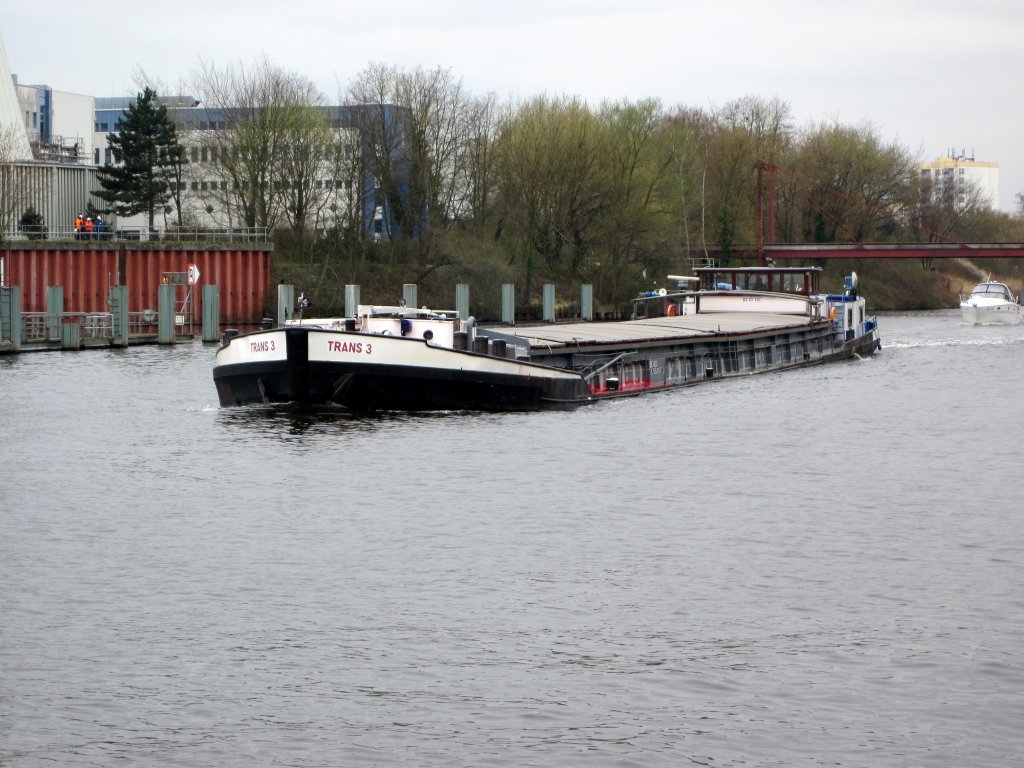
(799, 281)
(793, 289)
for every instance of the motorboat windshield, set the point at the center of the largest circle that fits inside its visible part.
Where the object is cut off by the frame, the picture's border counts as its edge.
(992, 291)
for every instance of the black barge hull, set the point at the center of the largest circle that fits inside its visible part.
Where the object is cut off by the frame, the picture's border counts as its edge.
(363, 372)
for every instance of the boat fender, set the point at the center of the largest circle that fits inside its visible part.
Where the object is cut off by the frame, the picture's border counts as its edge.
(406, 326)
(673, 310)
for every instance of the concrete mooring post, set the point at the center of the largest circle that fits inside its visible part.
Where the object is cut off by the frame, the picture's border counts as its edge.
(351, 300)
(586, 302)
(54, 309)
(549, 303)
(409, 295)
(119, 315)
(508, 303)
(165, 314)
(10, 316)
(462, 300)
(211, 313)
(285, 303)
(70, 336)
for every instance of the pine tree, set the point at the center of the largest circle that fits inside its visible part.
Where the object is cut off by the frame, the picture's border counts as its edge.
(144, 149)
(31, 224)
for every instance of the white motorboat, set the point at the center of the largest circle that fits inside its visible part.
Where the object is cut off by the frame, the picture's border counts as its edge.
(990, 303)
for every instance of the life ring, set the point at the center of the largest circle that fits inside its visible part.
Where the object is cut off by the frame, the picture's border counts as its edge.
(673, 309)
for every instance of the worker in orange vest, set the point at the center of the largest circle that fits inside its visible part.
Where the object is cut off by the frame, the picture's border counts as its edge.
(88, 227)
(79, 223)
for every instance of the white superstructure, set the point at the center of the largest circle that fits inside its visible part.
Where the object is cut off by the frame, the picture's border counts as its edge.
(990, 304)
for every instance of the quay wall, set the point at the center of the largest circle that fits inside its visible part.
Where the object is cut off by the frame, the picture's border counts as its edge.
(241, 273)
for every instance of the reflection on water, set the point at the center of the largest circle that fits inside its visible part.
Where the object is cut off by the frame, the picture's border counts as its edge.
(285, 422)
(811, 567)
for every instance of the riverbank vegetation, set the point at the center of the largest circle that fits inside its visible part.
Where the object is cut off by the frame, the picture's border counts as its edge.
(550, 189)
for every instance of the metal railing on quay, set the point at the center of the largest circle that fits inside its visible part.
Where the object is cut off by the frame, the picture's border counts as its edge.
(94, 325)
(141, 235)
(34, 327)
(99, 326)
(140, 323)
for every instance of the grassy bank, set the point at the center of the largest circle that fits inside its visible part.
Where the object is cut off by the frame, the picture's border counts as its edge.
(322, 269)
(907, 284)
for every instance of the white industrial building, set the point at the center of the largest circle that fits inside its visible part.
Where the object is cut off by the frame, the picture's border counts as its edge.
(202, 190)
(14, 143)
(52, 143)
(45, 153)
(958, 176)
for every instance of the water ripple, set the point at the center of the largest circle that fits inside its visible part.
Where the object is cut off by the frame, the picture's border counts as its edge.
(808, 568)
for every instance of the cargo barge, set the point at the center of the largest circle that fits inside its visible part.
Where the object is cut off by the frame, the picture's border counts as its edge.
(721, 322)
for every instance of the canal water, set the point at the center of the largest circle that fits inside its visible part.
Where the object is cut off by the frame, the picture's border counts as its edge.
(817, 567)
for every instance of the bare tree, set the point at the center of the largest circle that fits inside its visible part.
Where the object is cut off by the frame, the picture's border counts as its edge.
(439, 111)
(267, 141)
(635, 226)
(747, 131)
(342, 210)
(484, 121)
(944, 210)
(314, 155)
(554, 178)
(851, 186)
(14, 192)
(417, 127)
(386, 153)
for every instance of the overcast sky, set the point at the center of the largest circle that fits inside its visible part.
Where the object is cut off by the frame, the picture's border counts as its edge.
(928, 74)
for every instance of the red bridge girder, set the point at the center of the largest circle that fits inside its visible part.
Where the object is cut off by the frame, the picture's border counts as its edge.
(809, 251)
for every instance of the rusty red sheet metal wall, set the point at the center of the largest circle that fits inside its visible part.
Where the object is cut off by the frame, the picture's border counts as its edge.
(242, 275)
